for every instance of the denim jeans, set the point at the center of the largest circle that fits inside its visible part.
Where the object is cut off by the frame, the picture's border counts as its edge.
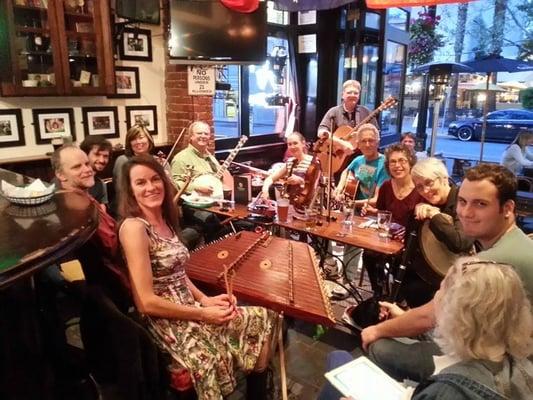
(404, 358)
(335, 359)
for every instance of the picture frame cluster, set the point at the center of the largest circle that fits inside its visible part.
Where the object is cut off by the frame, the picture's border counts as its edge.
(50, 123)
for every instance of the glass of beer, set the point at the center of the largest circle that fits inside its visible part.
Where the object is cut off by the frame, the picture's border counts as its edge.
(283, 210)
(310, 219)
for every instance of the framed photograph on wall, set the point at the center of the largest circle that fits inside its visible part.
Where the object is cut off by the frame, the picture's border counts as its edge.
(127, 83)
(50, 123)
(100, 121)
(142, 115)
(135, 45)
(11, 128)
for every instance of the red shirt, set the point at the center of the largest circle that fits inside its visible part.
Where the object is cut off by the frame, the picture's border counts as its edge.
(401, 209)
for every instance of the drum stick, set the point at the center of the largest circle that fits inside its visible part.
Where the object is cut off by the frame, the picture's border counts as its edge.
(174, 146)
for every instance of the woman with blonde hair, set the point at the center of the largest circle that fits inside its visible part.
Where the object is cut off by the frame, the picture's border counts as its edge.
(517, 156)
(484, 326)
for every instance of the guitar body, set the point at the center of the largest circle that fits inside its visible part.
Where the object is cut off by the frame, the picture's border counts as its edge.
(338, 156)
(351, 186)
(346, 133)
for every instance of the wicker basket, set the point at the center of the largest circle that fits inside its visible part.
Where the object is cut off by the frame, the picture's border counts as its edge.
(29, 201)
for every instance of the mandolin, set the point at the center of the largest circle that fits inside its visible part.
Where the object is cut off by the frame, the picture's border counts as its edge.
(216, 180)
(346, 133)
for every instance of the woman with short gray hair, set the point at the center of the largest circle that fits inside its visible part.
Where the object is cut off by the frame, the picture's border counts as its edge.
(430, 178)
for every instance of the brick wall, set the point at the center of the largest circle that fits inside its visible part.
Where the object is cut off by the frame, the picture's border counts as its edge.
(183, 109)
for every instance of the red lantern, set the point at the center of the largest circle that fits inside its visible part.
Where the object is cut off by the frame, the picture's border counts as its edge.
(243, 6)
(409, 3)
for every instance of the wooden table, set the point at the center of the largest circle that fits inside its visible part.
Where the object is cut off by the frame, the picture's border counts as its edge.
(360, 237)
(32, 238)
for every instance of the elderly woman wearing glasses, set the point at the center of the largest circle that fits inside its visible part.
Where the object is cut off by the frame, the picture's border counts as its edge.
(430, 178)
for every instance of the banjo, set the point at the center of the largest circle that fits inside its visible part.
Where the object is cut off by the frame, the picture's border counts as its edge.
(215, 180)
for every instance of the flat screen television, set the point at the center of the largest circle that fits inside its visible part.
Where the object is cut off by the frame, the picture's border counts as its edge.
(146, 11)
(207, 31)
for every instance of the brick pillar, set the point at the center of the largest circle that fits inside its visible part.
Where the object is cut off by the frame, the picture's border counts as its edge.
(183, 109)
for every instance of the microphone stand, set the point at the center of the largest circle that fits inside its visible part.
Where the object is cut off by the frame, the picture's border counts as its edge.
(330, 165)
(406, 260)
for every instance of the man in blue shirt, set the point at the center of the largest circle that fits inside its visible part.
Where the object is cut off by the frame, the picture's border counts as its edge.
(368, 169)
(368, 173)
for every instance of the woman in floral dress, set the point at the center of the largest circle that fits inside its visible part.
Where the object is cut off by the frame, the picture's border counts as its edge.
(209, 336)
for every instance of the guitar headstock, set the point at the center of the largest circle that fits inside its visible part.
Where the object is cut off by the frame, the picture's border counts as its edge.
(389, 102)
(242, 140)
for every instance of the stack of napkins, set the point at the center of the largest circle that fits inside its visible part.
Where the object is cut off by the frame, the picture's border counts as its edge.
(35, 189)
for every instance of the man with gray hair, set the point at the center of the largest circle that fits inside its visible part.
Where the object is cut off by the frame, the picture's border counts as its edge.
(347, 113)
(72, 168)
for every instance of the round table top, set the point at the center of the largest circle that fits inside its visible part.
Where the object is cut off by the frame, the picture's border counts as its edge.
(32, 237)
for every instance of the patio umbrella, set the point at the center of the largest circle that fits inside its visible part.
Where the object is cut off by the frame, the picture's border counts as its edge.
(490, 64)
(436, 69)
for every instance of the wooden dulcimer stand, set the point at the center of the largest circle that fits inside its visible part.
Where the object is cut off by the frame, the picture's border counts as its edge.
(276, 273)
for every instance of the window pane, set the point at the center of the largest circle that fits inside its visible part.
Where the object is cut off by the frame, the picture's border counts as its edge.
(368, 82)
(397, 18)
(226, 104)
(372, 20)
(268, 89)
(392, 79)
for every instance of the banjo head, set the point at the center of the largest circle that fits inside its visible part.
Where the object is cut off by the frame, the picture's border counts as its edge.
(210, 180)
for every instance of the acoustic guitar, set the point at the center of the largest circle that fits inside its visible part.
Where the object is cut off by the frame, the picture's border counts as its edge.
(346, 133)
(216, 180)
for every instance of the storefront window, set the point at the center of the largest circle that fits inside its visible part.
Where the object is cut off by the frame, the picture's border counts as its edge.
(372, 20)
(226, 103)
(394, 71)
(266, 91)
(368, 81)
(397, 18)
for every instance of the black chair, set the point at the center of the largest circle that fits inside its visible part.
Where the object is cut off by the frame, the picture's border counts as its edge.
(120, 353)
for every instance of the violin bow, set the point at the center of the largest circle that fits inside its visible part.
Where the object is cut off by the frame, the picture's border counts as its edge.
(174, 147)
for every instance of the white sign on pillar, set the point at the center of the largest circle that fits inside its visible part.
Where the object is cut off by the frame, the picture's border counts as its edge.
(201, 80)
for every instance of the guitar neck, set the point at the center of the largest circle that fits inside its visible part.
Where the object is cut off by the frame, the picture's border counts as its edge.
(389, 102)
(224, 167)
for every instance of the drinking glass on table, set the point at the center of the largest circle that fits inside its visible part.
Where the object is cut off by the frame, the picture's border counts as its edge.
(283, 209)
(347, 222)
(384, 221)
(311, 217)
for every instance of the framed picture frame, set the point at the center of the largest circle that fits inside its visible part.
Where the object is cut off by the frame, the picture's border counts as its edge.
(11, 128)
(145, 115)
(50, 123)
(135, 45)
(101, 121)
(127, 83)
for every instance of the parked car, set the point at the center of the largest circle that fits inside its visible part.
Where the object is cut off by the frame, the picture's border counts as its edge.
(502, 125)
